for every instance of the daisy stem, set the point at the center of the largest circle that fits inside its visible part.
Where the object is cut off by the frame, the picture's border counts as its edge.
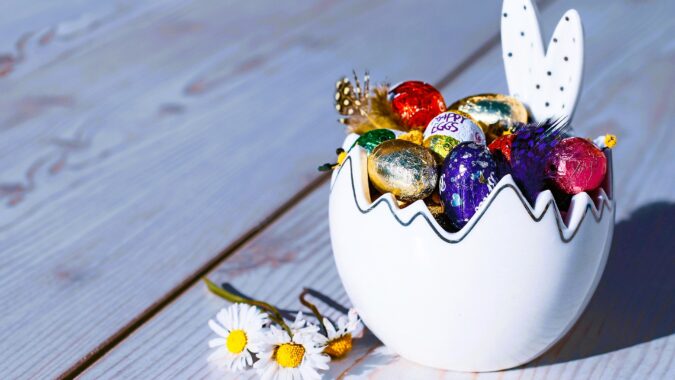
(314, 310)
(272, 311)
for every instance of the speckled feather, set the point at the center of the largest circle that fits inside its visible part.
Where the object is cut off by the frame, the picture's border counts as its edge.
(364, 109)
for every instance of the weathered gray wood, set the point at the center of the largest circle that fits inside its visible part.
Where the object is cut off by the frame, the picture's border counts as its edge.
(135, 150)
(32, 35)
(628, 330)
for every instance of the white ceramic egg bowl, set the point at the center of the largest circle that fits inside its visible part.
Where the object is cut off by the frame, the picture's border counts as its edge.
(494, 295)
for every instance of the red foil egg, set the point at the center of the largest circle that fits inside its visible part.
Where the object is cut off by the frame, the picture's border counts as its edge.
(502, 144)
(575, 165)
(416, 103)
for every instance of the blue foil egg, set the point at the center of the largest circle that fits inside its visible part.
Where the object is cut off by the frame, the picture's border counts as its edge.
(468, 175)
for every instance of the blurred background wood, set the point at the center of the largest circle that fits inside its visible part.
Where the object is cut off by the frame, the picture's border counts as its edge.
(140, 142)
(144, 144)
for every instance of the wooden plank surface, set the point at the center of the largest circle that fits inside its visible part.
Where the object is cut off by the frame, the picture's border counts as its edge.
(35, 35)
(628, 330)
(134, 150)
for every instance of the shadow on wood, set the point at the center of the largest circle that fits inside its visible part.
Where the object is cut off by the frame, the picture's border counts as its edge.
(633, 302)
(289, 313)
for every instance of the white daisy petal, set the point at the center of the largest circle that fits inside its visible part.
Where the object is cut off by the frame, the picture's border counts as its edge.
(322, 361)
(342, 322)
(330, 329)
(309, 373)
(269, 372)
(224, 316)
(215, 342)
(240, 329)
(218, 329)
(309, 364)
(218, 355)
(299, 321)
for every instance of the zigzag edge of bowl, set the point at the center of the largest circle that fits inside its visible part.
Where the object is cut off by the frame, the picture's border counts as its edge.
(581, 204)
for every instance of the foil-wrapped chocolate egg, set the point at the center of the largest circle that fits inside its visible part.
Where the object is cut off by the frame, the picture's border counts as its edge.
(403, 168)
(501, 152)
(467, 177)
(416, 103)
(440, 145)
(456, 125)
(575, 165)
(371, 139)
(494, 113)
(502, 145)
(435, 206)
(414, 136)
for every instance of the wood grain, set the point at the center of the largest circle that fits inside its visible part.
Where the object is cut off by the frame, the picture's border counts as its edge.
(628, 330)
(141, 141)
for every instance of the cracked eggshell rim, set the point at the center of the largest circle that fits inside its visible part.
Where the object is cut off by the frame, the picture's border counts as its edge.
(492, 296)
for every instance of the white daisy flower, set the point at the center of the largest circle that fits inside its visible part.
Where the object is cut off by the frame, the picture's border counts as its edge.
(300, 325)
(339, 341)
(240, 328)
(300, 357)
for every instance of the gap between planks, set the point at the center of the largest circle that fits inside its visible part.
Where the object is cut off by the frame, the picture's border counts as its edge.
(181, 288)
(85, 362)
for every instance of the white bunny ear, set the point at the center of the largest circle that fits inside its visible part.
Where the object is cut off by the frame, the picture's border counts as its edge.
(548, 84)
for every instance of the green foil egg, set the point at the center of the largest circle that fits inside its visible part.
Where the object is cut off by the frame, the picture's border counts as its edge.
(405, 169)
(372, 139)
(440, 145)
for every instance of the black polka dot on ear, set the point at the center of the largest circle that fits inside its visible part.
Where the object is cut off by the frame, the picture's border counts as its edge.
(524, 7)
(510, 54)
(548, 73)
(546, 104)
(562, 88)
(567, 18)
(566, 59)
(522, 33)
(505, 14)
(555, 40)
(538, 86)
(563, 106)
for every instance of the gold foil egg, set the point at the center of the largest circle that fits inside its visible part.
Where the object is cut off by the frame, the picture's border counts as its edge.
(413, 136)
(403, 168)
(494, 113)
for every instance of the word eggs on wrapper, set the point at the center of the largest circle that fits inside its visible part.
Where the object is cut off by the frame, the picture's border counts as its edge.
(448, 129)
(458, 126)
(403, 168)
(467, 177)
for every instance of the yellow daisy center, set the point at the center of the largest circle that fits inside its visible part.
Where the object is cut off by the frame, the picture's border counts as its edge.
(289, 355)
(236, 341)
(610, 141)
(339, 347)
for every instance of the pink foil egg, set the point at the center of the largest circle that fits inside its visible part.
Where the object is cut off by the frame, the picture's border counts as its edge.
(576, 165)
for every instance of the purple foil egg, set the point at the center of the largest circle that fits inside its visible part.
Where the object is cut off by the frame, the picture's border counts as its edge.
(468, 175)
